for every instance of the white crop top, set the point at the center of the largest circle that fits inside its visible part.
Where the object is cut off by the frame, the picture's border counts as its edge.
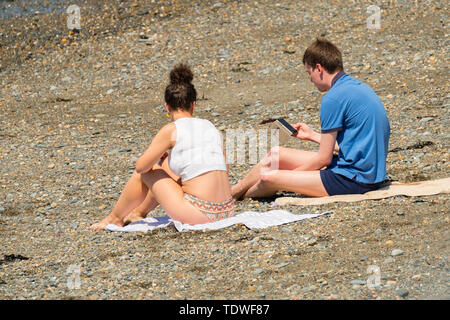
(198, 149)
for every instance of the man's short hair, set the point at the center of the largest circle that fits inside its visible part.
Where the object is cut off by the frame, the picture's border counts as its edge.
(326, 54)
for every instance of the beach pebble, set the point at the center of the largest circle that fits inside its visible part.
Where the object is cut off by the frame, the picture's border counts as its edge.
(396, 252)
(426, 119)
(403, 293)
(258, 271)
(358, 282)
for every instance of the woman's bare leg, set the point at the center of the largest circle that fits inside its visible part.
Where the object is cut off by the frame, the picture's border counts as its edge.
(304, 182)
(133, 195)
(278, 158)
(169, 194)
(142, 210)
(149, 202)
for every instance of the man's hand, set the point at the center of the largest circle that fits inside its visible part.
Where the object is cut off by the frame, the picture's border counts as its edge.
(304, 132)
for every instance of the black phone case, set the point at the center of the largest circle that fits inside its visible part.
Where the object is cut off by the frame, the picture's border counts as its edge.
(285, 125)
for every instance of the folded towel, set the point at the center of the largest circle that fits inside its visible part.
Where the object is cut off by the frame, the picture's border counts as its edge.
(251, 219)
(414, 189)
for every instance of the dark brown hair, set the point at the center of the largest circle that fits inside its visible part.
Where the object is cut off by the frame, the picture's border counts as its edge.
(326, 54)
(180, 93)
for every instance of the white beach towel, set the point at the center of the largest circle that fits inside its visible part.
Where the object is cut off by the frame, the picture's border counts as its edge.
(251, 219)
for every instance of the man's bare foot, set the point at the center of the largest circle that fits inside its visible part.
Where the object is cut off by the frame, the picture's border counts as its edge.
(134, 216)
(236, 194)
(102, 224)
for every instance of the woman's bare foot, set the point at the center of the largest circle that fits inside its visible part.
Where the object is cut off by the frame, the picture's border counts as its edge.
(102, 224)
(134, 216)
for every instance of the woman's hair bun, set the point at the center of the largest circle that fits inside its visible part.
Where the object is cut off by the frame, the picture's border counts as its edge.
(180, 74)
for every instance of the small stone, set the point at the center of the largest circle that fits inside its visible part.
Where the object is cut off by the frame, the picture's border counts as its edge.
(312, 242)
(306, 289)
(358, 282)
(258, 271)
(426, 119)
(402, 293)
(281, 265)
(388, 260)
(396, 252)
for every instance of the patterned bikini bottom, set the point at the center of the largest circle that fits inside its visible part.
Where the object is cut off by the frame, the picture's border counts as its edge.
(213, 210)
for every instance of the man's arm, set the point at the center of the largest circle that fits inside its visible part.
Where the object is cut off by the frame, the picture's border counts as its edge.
(325, 154)
(304, 132)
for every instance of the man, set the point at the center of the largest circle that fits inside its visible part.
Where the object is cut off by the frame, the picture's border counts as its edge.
(353, 123)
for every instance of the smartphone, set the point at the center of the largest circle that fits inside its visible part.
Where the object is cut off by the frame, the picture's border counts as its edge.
(283, 124)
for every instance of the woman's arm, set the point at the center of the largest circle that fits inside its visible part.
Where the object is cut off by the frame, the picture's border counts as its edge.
(164, 140)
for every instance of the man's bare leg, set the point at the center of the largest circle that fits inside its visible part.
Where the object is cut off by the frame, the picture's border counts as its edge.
(278, 158)
(307, 183)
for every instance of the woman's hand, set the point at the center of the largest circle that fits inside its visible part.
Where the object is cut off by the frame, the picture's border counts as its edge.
(158, 147)
(304, 132)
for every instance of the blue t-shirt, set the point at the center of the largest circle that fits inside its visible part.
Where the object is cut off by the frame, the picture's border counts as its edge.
(355, 110)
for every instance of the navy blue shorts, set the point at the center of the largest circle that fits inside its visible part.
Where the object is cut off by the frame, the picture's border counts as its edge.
(338, 184)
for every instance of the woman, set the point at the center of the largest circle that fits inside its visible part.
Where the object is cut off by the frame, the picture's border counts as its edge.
(183, 170)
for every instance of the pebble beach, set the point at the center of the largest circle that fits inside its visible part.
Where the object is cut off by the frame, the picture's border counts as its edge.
(79, 106)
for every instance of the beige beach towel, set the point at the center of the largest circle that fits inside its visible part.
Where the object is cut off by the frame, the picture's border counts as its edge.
(423, 188)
